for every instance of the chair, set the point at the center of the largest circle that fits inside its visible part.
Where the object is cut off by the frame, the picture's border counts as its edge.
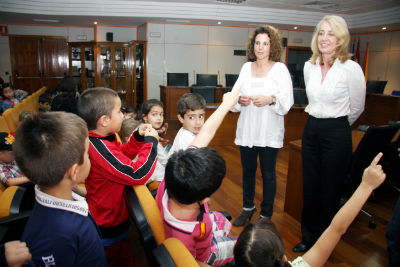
(208, 92)
(172, 253)
(3, 125)
(11, 116)
(144, 211)
(375, 140)
(10, 200)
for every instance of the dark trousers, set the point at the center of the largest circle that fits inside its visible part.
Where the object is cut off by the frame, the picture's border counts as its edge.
(326, 152)
(393, 236)
(267, 164)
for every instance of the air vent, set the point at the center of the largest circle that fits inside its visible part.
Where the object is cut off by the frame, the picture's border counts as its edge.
(231, 1)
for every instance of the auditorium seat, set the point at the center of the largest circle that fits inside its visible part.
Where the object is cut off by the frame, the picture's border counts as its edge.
(172, 253)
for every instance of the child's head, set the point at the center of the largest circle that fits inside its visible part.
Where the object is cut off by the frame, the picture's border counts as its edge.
(127, 128)
(6, 153)
(101, 107)
(8, 91)
(193, 175)
(25, 114)
(50, 144)
(44, 101)
(191, 109)
(130, 112)
(153, 113)
(260, 244)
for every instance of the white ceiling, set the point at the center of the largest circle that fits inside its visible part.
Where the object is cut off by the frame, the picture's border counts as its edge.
(361, 15)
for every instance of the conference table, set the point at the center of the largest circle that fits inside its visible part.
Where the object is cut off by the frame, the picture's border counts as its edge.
(294, 182)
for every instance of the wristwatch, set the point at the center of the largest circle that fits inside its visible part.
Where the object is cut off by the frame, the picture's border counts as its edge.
(273, 100)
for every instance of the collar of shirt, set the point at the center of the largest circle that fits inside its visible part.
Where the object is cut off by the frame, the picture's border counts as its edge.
(78, 205)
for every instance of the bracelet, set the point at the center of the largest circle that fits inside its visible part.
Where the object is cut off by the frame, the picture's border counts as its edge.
(273, 101)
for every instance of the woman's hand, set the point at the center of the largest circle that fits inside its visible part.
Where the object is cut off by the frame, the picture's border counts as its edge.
(261, 100)
(244, 100)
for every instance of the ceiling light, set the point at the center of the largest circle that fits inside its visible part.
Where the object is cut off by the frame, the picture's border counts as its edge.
(219, 22)
(95, 23)
(47, 20)
(178, 20)
(295, 27)
(384, 28)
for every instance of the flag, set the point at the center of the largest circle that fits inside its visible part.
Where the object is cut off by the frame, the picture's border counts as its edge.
(357, 59)
(365, 64)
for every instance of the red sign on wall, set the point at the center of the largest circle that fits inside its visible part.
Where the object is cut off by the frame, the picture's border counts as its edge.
(3, 30)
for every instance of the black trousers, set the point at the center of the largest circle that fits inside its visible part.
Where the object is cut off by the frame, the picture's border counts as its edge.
(326, 152)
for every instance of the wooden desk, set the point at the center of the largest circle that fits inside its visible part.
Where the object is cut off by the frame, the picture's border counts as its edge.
(170, 95)
(295, 121)
(294, 183)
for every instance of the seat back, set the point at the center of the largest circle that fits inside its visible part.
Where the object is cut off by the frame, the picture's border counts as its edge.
(11, 116)
(10, 200)
(375, 140)
(144, 211)
(173, 253)
(208, 92)
(4, 125)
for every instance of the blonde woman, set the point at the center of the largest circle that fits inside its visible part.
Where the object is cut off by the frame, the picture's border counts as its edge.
(335, 87)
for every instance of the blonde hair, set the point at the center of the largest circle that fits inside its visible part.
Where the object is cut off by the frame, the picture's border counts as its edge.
(341, 31)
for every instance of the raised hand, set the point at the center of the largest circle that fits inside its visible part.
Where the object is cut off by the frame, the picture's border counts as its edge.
(373, 175)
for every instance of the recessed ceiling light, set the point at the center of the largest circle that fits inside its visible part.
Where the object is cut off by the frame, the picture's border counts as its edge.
(219, 22)
(295, 27)
(178, 20)
(384, 28)
(47, 20)
(95, 23)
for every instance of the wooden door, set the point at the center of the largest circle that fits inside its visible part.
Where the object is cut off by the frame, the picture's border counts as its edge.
(25, 62)
(53, 60)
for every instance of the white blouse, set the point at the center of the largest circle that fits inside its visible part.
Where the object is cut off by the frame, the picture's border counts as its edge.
(342, 93)
(263, 126)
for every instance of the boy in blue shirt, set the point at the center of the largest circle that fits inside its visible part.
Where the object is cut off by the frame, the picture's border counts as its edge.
(51, 149)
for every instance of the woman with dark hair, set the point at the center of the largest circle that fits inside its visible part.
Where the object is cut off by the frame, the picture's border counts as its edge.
(266, 96)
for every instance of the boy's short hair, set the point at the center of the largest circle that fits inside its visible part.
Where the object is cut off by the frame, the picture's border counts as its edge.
(94, 103)
(44, 98)
(192, 175)
(49, 143)
(129, 109)
(190, 101)
(127, 127)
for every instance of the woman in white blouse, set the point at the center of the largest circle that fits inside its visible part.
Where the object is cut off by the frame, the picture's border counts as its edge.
(335, 87)
(266, 96)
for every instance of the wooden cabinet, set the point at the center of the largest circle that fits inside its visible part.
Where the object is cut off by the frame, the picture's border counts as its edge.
(38, 61)
(82, 64)
(120, 66)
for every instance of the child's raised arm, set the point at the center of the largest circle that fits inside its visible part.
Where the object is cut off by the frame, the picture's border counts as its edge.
(319, 253)
(210, 127)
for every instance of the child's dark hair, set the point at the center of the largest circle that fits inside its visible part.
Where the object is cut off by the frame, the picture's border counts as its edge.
(190, 101)
(49, 143)
(94, 103)
(5, 85)
(25, 114)
(45, 98)
(192, 175)
(129, 109)
(260, 244)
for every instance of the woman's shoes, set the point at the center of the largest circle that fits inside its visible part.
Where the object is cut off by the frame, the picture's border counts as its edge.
(244, 217)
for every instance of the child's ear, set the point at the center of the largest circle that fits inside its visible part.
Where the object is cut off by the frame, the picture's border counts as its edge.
(103, 121)
(72, 173)
(180, 118)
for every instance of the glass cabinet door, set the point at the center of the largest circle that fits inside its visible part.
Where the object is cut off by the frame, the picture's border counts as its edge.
(139, 70)
(120, 72)
(105, 66)
(89, 67)
(76, 66)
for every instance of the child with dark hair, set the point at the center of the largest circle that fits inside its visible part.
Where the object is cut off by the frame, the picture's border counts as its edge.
(11, 97)
(10, 174)
(51, 149)
(44, 102)
(66, 100)
(191, 113)
(113, 169)
(129, 112)
(191, 177)
(261, 244)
